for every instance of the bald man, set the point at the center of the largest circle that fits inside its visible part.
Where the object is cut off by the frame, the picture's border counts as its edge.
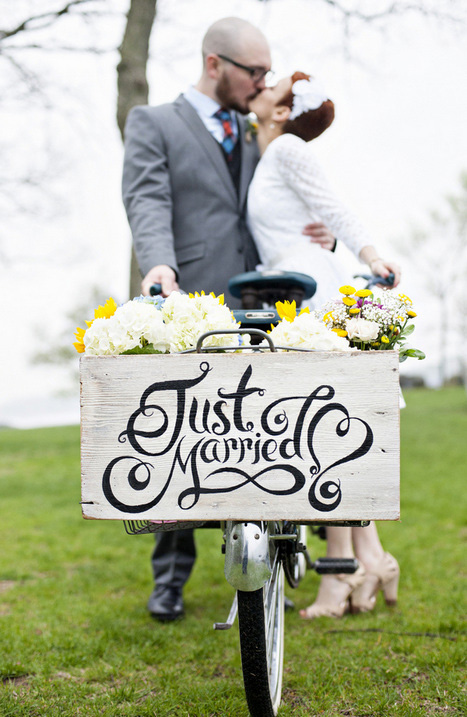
(183, 192)
(185, 183)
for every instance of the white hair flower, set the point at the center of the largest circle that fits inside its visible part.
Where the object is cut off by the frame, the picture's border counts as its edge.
(307, 95)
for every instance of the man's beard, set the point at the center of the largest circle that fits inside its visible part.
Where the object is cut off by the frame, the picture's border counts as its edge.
(226, 98)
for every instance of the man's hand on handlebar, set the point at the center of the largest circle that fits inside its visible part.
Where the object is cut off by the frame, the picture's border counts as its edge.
(160, 274)
(320, 234)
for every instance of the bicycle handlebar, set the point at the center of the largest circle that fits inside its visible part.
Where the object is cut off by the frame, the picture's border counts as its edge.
(155, 289)
(373, 280)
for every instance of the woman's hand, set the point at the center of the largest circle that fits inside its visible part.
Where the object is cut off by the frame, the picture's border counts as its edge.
(378, 266)
(381, 267)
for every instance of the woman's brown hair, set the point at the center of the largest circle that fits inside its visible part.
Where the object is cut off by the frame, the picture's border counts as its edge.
(311, 124)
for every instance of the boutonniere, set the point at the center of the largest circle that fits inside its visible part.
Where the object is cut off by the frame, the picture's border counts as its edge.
(251, 127)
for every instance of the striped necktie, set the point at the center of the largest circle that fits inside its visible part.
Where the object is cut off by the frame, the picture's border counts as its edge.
(229, 140)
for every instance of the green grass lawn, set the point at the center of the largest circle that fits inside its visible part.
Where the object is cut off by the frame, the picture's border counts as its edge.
(75, 637)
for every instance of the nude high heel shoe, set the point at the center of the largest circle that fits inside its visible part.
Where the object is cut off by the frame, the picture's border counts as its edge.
(385, 577)
(329, 608)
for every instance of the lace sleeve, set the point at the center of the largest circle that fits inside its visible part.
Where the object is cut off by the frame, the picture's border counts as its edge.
(302, 172)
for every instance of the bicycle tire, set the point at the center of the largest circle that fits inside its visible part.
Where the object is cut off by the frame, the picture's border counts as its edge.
(261, 628)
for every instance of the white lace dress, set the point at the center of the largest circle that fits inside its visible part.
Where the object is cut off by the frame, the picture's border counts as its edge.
(288, 191)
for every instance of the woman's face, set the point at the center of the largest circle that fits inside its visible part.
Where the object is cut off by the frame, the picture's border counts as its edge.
(263, 105)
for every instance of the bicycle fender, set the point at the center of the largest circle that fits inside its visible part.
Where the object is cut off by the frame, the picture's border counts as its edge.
(247, 563)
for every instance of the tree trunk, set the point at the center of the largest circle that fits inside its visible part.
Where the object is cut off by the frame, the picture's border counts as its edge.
(132, 83)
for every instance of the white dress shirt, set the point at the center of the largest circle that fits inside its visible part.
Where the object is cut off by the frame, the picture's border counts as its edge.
(206, 109)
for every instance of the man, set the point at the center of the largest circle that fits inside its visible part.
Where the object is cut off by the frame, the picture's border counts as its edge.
(186, 173)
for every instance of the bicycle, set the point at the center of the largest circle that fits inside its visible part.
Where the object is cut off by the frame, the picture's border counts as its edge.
(260, 554)
(277, 551)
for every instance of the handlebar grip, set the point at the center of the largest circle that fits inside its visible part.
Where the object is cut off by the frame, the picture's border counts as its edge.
(389, 280)
(155, 289)
(372, 280)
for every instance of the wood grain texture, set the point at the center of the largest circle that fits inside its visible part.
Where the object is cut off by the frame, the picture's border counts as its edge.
(310, 436)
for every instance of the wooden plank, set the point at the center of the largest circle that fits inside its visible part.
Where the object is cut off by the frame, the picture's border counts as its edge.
(310, 436)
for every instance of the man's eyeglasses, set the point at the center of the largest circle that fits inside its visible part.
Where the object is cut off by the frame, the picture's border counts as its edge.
(256, 73)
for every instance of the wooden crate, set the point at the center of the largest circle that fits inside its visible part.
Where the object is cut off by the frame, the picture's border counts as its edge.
(303, 436)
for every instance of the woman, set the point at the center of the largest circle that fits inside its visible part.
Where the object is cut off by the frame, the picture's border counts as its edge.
(288, 191)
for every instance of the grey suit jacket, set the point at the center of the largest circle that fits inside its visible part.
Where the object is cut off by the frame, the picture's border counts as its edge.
(180, 200)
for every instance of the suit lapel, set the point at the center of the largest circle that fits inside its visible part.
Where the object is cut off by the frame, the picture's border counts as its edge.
(208, 143)
(250, 157)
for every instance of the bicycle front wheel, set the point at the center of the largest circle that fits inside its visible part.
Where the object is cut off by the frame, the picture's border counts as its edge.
(261, 626)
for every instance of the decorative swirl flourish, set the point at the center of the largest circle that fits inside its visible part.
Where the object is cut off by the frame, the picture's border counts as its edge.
(134, 482)
(245, 478)
(180, 386)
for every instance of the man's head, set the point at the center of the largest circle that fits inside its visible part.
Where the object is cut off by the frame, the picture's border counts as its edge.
(236, 60)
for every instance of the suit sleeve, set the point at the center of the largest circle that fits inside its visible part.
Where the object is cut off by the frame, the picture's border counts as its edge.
(147, 192)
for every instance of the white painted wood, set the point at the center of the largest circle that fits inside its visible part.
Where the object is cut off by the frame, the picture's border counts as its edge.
(232, 454)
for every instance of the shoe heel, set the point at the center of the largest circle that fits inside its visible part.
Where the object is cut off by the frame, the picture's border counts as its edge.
(363, 598)
(390, 591)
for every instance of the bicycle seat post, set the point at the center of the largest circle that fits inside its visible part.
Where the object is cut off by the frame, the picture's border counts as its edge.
(250, 298)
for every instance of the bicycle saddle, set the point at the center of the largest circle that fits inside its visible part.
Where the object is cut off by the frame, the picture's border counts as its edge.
(258, 287)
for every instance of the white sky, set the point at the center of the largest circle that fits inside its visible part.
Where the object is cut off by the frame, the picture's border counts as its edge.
(396, 148)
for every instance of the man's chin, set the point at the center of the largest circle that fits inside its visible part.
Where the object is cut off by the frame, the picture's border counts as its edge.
(242, 109)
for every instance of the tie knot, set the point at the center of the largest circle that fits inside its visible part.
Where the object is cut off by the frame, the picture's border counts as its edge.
(223, 114)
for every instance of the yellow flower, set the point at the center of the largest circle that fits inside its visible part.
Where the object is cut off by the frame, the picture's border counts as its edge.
(79, 344)
(286, 310)
(329, 316)
(363, 293)
(384, 339)
(411, 314)
(405, 298)
(346, 289)
(106, 311)
(340, 332)
(305, 310)
(375, 345)
(355, 310)
(348, 301)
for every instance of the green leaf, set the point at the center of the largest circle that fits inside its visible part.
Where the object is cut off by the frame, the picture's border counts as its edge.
(409, 329)
(412, 353)
(148, 349)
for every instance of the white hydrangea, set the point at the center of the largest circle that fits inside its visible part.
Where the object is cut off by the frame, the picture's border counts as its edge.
(307, 332)
(133, 324)
(105, 337)
(191, 316)
(171, 327)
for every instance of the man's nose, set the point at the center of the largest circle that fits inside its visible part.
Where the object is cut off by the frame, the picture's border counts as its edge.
(261, 84)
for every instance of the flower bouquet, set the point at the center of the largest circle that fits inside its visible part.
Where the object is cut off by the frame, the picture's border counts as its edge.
(359, 320)
(153, 325)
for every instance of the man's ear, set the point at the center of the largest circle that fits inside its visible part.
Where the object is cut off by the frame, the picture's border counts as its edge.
(212, 66)
(281, 114)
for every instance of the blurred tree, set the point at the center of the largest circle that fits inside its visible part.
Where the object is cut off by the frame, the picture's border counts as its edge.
(133, 88)
(32, 156)
(439, 253)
